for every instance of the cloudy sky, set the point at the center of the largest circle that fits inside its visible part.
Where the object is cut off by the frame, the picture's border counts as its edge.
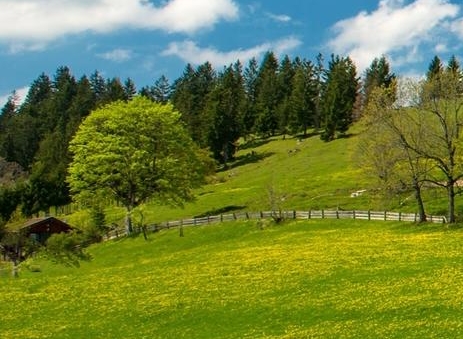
(144, 39)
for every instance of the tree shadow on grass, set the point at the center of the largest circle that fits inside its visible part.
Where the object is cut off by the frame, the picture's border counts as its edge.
(222, 210)
(308, 135)
(254, 143)
(346, 135)
(249, 158)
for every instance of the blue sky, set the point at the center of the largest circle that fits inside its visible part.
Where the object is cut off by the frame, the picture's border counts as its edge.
(144, 39)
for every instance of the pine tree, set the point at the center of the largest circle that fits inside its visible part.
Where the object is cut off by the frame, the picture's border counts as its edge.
(114, 91)
(435, 68)
(225, 106)
(377, 75)
(7, 115)
(98, 85)
(28, 126)
(454, 68)
(64, 90)
(129, 89)
(339, 97)
(249, 117)
(303, 98)
(189, 97)
(319, 73)
(285, 86)
(268, 96)
(433, 75)
(161, 90)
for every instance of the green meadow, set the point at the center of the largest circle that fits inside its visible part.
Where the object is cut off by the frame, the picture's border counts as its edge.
(256, 279)
(311, 279)
(303, 174)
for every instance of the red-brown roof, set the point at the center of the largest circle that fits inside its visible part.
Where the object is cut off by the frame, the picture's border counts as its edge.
(45, 225)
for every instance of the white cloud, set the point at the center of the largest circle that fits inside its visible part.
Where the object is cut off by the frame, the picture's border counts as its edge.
(457, 27)
(117, 55)
(29, 24)
(279, 17)
(190, 52)
(393, 28)
(441, 48)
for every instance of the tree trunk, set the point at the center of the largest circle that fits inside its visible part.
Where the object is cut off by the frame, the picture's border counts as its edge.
(451, 201)
(419, 201)
(128, 221)
(15, 271)
(143, 227)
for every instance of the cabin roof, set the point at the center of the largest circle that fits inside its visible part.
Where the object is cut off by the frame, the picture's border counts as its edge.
(41, 225)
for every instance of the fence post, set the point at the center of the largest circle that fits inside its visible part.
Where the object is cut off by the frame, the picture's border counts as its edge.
(294, 214)
(369, 215)
(247, 215)
(337, 214)
(385, 215)
(309, 214)
(323, 214)
(400, 216)
(221, 218)
(208, 219)
(353, 214)
(234, 216)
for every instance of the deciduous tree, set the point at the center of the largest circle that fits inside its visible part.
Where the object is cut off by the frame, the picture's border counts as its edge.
(135, 152)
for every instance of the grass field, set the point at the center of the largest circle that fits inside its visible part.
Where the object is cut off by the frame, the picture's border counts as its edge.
(311, 279)
(304, 173)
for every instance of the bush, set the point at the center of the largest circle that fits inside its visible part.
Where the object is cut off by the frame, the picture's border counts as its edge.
(67, 248)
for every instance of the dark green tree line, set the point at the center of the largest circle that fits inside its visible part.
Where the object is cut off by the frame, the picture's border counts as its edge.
(287, 96)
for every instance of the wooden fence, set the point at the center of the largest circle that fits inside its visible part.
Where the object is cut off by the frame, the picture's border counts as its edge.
(296, 215)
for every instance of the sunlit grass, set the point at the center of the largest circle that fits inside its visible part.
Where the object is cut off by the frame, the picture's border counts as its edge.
(318, 175)
(319, 279)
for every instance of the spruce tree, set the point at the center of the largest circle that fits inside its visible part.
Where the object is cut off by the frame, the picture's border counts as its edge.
(435, 68)
(161, 90)
(377, 75)
(303, 98)
(284, 86)
(129, 89)
(251, 73)
(225, 106)
(189, 97)
(339, 97)
(268, 96)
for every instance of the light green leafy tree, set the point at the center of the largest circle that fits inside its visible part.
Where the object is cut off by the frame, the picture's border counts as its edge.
(135, 151)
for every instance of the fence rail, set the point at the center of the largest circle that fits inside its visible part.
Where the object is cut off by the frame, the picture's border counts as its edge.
(296, 215)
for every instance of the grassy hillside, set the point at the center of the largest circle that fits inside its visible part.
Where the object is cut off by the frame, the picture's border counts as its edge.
(303, 173)
(317, 279)
(321, 279)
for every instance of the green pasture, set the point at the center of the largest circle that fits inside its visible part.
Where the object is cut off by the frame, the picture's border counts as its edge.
(306, 279)
(303, 174)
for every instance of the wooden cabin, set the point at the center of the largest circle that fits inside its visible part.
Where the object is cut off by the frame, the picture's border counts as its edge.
(22, 240)
(40, 229)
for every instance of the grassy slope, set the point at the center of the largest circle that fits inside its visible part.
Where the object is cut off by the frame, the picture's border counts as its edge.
(306, 279)
(318, 175)
(323, 279)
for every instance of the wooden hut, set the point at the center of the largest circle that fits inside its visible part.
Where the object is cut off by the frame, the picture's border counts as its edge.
(40, 229)
(21, 240)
